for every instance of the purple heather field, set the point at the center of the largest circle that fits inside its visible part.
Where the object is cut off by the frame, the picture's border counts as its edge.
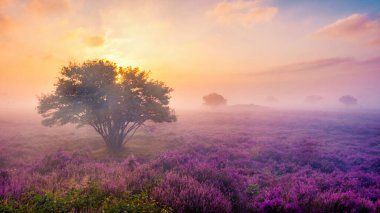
(231, 160)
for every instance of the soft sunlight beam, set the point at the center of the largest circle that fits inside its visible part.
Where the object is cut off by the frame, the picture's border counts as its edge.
(122, 59)
(119, 78)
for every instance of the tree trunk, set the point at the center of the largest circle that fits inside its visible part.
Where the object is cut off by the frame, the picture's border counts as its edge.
(114, 142)
(114, 136)
(114, 145)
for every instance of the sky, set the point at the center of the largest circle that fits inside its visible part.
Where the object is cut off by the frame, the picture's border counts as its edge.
(250, 51)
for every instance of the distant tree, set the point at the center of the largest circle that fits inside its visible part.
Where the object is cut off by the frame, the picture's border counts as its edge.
(271, 99)
(114, 100)
(313, 99)
(214, 100)
(348, 100)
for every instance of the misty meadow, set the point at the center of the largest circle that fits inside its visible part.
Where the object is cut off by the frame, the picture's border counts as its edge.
(216, 106)
(232, 160)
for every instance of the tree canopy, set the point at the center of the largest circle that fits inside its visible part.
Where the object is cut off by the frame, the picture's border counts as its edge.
(214, 100)
(114, 100)
(348, 100)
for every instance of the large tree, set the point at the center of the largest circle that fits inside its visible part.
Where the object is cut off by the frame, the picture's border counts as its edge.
(114, 100)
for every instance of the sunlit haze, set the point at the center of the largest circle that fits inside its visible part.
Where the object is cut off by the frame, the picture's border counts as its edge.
(245, 50)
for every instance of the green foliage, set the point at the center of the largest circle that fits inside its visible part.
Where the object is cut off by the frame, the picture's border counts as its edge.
(6, 207)
(253, 190)
(91, 199)
(49, 202)
(133, 203)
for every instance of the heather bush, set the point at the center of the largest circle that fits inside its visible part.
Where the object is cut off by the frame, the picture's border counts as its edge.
(57, 161)
(184, 194)
(345, 202)
(276, 205)
(232, 185)
(144, 178)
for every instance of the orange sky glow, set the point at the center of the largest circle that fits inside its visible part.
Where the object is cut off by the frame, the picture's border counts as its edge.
(246, 50)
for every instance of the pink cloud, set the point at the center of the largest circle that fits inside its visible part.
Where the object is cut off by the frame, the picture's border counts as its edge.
(316, 66)
(242, 12)
(357, 27)
(307, 66)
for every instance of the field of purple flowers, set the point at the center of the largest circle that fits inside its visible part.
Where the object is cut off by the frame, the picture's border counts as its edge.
(222, 161)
